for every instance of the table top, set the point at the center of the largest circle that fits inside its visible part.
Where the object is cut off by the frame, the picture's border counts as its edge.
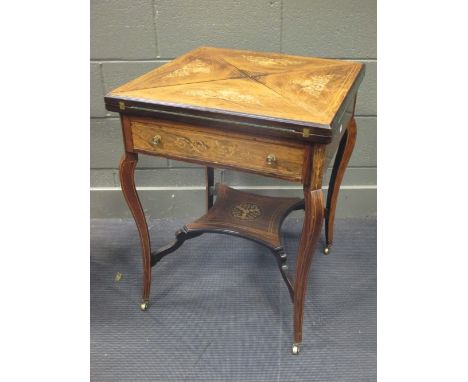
(244, 87)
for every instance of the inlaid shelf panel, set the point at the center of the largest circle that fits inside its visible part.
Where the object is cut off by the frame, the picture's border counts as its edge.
(254, 217)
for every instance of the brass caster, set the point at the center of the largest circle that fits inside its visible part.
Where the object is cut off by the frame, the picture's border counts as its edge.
(295, 349)
(326, 250)
(144, 306)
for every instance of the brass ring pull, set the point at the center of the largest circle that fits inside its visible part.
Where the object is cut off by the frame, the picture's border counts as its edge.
(271, 159)
(156, 140)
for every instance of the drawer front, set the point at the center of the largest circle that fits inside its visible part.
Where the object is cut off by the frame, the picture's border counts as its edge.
(208, 145)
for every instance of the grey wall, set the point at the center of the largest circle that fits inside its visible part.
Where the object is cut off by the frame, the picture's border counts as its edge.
(131, 37)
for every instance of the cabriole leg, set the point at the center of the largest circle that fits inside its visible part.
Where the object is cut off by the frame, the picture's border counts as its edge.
(339, 167)
(126, 171)
(313, 220)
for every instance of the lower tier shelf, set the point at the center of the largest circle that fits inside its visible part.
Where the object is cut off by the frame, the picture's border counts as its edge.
(254, 217)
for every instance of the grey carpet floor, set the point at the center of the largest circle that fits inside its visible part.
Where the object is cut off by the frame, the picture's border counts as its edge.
(220, 311)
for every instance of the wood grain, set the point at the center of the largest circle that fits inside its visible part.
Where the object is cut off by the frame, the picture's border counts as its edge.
(258, 84)
(339, 167)
(127, 182)
(126, 132)
(255, 217)
(217, 147)
(318, 166)
(339, 131)
(313, 219)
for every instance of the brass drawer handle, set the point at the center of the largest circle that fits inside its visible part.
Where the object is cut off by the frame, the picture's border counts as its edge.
(271, 159)
(156, 140)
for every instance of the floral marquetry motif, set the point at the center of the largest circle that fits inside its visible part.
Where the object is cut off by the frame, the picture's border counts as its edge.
(255, 216)
(246, 211)
(268, 61)
(224, 94)
(314, 85)
(193, 67)
(260, 87)
(184, 143)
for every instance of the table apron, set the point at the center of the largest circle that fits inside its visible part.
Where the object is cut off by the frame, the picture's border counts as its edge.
(217, 148)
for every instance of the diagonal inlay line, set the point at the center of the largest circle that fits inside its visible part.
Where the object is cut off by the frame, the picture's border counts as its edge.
(273, 90)
(185, 83)
(238, 73)
(325, 63)
(228, 77)
(303, 107)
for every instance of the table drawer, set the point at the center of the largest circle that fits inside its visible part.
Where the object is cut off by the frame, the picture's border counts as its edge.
(220, 148)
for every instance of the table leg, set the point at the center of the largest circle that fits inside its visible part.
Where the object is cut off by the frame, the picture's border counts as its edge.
(209, 174)
(127, 170)
(339, 167)
(313, 220)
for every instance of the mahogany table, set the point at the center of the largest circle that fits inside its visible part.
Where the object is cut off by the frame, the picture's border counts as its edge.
(271, 114)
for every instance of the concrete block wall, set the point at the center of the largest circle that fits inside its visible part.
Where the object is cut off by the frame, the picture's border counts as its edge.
(131, 37)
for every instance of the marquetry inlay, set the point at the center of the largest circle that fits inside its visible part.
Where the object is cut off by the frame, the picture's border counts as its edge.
(198, 145)
(259, 87)
(246, 211)
(225, 94)
(314, 85)
(194, 67)
(267, 61)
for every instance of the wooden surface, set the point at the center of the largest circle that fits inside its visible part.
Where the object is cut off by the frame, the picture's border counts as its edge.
(265, 87)
(313, 219)
(317, 95)
(343, 155)
(338, 132)
(219, 148)
(127, 181)
(253, 216)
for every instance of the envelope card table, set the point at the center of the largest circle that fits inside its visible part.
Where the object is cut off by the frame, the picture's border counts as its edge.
(270, 114)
